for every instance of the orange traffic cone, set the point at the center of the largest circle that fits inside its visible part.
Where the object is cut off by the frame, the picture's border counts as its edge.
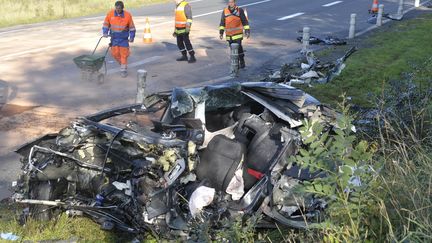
(374, 8)
(147, 33)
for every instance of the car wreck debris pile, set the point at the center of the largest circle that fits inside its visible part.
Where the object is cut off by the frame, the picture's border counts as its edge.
(310, 70)
(211, 153)
(328, 40)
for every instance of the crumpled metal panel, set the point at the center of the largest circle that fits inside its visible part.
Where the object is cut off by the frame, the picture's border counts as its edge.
(277, 90)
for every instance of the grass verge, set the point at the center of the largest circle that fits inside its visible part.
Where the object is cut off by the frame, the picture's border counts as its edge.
(391, 72)
(35, 11)
(384, 55)
(59, 228)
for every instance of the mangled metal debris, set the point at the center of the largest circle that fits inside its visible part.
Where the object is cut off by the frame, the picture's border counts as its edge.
(312, 71)
(328, 40)
(374, 17)
(208, 153)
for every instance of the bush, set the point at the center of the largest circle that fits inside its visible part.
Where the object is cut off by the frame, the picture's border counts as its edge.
(380, 190)
(347, 180)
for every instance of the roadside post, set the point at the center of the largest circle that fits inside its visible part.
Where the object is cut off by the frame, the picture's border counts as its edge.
(400, 9)
(305, 39)
(380, 13)
(141, 85)
(417, 3)
(352, 26)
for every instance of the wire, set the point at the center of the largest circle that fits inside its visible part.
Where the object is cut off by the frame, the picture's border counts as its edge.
(109, 149)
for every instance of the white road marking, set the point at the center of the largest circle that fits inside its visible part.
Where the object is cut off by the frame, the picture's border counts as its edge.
(332, 3)
(241, 6)
(135, 64)
(72, 42)
(10, 31)
(290, 16)
(209, 13)
(91, 18)
(37, 50)
(255, 3)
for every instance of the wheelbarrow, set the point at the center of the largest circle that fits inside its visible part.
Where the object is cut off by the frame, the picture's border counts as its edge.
(90, 65)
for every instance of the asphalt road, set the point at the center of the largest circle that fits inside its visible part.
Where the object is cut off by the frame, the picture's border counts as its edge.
(36, 60)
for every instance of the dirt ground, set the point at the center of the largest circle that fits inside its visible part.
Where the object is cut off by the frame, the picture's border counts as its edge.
(30, 120)
(18, 125)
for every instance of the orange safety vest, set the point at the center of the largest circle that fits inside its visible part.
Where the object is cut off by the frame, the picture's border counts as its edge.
(180, 15)
(118, 24)
(233, 24)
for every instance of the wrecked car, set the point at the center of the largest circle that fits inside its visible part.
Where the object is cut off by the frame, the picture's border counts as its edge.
(206, 153)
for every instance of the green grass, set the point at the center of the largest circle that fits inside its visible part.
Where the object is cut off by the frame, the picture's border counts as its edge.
(17, 12)
(383, 56)
(60, 228)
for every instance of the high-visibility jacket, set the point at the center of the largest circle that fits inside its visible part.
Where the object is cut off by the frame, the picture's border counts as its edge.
(233, 22)
(183, 17)
(120, 26)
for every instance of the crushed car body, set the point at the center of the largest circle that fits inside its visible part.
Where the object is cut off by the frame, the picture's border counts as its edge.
(206, 153)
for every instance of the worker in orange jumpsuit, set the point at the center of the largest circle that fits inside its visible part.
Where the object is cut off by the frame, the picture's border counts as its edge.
(233, 22)
(119, 25)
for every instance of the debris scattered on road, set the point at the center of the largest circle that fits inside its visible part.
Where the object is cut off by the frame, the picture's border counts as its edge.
(312, 71)
(394, 17)
(373, 18)
(329, 40)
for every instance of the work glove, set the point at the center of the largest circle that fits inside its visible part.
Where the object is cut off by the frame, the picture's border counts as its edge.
(105, 35)
(187, 30)
(221, 36)
(174, 34)
(131, 40)
(247, 33)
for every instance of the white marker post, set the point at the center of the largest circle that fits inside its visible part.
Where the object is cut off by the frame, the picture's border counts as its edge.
(417, 3)
(305, 40)
(400, 9)
(141, 85)
(352, 26)
(380, 13)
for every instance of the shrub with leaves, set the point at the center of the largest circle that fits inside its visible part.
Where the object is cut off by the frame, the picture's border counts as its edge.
(240, 229)
(346, 177)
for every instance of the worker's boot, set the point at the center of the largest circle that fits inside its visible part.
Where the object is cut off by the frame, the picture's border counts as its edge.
(242, 63)
(192, 57)
(183, 57)
(123, 74)
(123, 71)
